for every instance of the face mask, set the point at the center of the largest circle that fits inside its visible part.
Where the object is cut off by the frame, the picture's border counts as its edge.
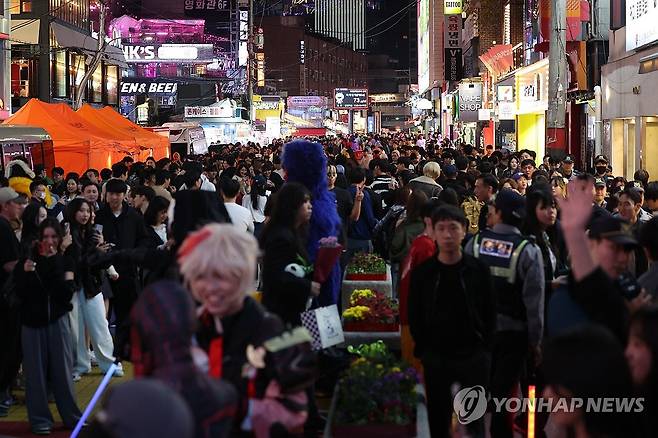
(601, 169)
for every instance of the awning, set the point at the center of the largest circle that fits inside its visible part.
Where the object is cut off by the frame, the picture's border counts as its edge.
(70, 38)
(310, 132)
(25, 31)
(649, 63)
(22, 134)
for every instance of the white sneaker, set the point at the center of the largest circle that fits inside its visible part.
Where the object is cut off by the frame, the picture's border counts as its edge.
(118, 371)
(77, 377)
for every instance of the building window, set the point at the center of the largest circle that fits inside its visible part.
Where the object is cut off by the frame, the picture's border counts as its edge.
(76, 71)
(59, 73)
(26, 6)
(96, 95)
(111, 84)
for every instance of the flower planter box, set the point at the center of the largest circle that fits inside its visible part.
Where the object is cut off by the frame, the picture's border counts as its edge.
(361, 326)
(374, 430)
(366, 277)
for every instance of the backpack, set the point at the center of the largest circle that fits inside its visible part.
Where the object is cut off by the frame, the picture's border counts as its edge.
(385, 231)
(472, 207)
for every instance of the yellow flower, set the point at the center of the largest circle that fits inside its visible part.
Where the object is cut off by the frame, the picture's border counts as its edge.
(361, 293)
(356, 312)
(395, 369)
(380, 366)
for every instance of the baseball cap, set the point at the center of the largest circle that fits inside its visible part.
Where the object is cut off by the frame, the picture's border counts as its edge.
(599, 182)
(8, 194)
(612, 228)
(568, 159)
(510, 201)
(517, 176)
(450, 169)
(600, 158)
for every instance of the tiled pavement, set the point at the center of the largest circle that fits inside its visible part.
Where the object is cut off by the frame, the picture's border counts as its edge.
(84, 390)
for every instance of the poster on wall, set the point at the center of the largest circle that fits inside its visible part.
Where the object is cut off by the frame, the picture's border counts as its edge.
(641, 29)
(470, 101)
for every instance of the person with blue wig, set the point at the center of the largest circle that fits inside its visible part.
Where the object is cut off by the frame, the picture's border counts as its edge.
(305, 162)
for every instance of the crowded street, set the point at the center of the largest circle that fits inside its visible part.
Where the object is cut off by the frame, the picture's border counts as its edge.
(329, 218)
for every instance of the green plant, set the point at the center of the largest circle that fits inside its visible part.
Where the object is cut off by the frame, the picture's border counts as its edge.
(364, 263)
(377, 389)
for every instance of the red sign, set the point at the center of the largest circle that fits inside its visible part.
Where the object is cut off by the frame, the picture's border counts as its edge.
(498, 59)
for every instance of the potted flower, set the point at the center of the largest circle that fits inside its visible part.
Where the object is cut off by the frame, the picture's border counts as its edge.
(375, 397)
(370, 311)
(366, 267)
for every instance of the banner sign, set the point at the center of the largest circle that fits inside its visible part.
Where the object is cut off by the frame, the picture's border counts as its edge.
(168, 53)
(347, 98)
(306, 101)
(208, 111)
(453, 65)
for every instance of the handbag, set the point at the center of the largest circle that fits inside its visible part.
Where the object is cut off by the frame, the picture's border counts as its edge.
(324, 325)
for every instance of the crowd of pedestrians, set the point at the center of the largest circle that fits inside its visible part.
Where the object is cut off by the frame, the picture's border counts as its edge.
(510, 269)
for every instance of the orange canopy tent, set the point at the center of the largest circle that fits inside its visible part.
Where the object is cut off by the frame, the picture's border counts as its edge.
(77, 144)
(149, 144)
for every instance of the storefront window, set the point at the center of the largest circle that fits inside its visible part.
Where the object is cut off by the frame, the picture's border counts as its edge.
(59, 73)
(76, 71)
(96, 94)
(111, 84)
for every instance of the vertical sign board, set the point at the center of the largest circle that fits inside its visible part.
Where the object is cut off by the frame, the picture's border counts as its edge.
(452, 39)
(470, 101)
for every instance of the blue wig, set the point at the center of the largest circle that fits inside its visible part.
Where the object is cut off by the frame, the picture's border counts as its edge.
(306, 163)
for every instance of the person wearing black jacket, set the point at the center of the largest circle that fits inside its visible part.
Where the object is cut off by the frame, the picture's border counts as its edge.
(88, 314)
(286, 291)
(218, 263)
(44, 283)
(451, 314)
(163, 326)
(124, 229)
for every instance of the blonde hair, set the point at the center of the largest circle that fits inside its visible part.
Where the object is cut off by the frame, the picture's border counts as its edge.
(432, 170)
(221, 248)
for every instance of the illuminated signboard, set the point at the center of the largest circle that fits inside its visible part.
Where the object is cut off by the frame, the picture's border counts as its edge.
(470, 101)
(207, 5)
(348, 98)
(243, 51)
(641, 29)
(168, 53)
(423, 45)
(139, 87)
(452, 7)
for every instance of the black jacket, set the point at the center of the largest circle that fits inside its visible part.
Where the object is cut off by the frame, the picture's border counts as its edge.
(479, 313)
(251, 326)
(45, 294)
(127, 231)
(89, 262)
(284, 294)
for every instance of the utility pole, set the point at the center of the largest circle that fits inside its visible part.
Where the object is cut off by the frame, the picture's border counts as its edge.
(96, 60)
(250, 69)
(556, 132)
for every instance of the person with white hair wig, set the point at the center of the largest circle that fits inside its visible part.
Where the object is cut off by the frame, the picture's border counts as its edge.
(218, 263)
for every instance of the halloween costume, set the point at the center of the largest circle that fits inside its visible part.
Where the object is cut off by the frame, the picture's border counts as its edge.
(306, 163)
(20, 177)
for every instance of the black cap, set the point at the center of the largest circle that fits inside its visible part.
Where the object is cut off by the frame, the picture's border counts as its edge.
(510, 201)
(600, 159)
(568, 159)
(612, 228)
(599, 182)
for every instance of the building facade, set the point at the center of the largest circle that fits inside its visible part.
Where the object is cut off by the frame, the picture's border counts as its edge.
(52, 44)
(303, 63)
(344, 20)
